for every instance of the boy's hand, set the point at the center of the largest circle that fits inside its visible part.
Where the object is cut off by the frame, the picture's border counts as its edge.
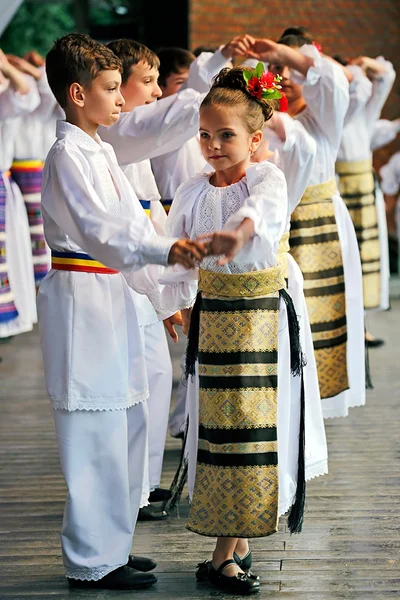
(266, 50)
(186, 253)
(35, 59)
(186, 316)
(4, 64)
(238, 46)
(24, 66)
(170, 323)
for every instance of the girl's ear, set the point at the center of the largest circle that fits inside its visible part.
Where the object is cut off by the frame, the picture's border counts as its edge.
(256, 140)
(76, 93)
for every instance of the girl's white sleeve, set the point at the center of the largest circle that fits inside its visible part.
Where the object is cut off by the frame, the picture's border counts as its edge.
(360, 90)
(326, 91)
(181, 284)
(384, 132)
(390, 176)
(154, 129)
(202, 70)
(381, 87)
(296, 157)
(266, 206)
(70, 200)
(13, 104)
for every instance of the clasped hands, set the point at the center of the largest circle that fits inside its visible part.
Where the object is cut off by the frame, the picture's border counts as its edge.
(250, 47)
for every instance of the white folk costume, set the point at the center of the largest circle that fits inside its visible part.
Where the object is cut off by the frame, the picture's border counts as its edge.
(250, 407)
(390, 184)
(27, 169)
(17, 284)
(384, 133)
(324, 245)
(92, 347)
(179, 115)
(359, 190)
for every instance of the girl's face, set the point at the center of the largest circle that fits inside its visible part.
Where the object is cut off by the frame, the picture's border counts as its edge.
(292, 90)
(225, 141)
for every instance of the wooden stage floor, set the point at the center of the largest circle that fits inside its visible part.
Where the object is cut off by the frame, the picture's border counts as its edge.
(350, 546)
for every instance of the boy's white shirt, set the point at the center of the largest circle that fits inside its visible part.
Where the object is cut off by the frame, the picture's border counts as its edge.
(385, 131)
(83, 315)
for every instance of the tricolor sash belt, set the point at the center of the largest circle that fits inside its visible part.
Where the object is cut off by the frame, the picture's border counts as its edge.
(76, 261)
(27, 174)
(146, 205)
(166, 204)
(8, 310)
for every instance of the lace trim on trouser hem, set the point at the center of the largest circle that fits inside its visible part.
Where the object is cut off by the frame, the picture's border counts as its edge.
(63, 404)
(91, 574)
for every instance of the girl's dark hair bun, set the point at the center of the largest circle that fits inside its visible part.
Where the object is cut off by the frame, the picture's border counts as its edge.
(232, 78)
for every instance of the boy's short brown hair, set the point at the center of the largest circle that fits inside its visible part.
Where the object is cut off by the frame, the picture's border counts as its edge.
(173, 60)
(131, 53)
(77, 58)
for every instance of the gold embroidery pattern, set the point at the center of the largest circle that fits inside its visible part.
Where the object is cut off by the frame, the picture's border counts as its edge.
(239, 448)
(254, 284)
(330, 361)
(237, 497)
(356, 185)
(247, 408)
(228, 331)
(316, 249)
(235, 502)
(236, 370)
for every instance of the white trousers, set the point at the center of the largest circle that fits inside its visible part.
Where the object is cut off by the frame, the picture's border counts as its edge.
(159, 374)
(177, 418)
(103, 457)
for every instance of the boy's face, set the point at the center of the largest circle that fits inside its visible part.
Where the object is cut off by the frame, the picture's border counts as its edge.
(141, 86)
(102, 103)
(174, 82)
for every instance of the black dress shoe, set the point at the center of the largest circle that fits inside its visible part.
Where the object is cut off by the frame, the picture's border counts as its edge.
(240, 584)
(375, 343)
(123, 578)
(151, 513)
(244, 563)
(160, 495)
(141, 563)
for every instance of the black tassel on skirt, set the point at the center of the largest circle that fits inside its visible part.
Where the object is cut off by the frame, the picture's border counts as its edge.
(297, 358)
(296, 515)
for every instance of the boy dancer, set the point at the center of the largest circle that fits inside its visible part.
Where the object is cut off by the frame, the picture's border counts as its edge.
(101, 241)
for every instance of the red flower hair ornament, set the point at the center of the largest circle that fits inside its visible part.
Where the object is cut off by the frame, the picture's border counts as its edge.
(263, 84)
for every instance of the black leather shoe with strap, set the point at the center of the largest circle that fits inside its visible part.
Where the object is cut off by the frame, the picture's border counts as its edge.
(141, 563)
(244, 563)
(240, 584)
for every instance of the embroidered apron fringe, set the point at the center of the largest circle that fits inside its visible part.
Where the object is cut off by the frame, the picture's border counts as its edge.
(192, 346)
(296, 515)
(180, 477)
(297, 358)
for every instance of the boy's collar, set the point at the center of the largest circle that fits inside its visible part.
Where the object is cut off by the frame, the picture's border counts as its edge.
(82, 139)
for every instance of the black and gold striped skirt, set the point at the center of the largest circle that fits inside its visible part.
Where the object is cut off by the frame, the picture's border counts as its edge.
(236, 486)
(315, 246)
(357, 188)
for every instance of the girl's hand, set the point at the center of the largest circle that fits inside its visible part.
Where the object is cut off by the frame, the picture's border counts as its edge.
(170, 323)
(266, 50)
(186, 316)
(227, 243)
(239, 46)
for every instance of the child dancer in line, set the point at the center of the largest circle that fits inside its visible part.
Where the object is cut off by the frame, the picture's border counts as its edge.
(241, 316)
(101, 242)
(18, 97)
(322, 236)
